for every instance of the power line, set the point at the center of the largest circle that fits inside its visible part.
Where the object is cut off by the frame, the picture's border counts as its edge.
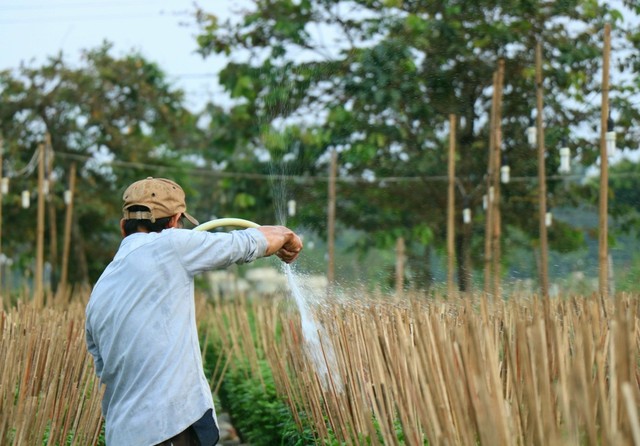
(245, 175)
(315, 178)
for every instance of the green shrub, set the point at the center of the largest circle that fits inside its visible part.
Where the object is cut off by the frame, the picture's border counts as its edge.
(258, 414)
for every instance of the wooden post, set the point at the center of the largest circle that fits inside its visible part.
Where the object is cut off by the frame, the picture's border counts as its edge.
(38, 276)
(51, 207)
(331, 217)
(2, 265)
(400, 254)
(466, 270)
(496, 217)
(68, 222)
(603, 251)
(542, 180)
(451, 207)
(488, 251)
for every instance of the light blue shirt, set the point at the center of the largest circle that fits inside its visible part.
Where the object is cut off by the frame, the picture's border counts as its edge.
(141, 330)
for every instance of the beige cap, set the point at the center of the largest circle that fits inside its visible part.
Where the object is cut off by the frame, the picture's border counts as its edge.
(163, 197)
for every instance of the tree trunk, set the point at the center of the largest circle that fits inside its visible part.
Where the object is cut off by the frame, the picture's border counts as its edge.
(420, 265)
(53, 242)
(81, 270)
(400, 256)
(463, 255)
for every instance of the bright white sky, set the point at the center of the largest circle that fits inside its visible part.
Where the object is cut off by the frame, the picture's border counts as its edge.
(163, 31)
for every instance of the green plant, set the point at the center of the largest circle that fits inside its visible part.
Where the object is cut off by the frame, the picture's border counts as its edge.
(257, 412)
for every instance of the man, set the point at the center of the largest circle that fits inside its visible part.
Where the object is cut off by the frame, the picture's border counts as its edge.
(140, 319)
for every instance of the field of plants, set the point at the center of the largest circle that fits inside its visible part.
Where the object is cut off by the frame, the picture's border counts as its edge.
(426, 146)
(380, 370)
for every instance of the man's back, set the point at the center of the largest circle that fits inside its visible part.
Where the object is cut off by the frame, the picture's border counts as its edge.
(141, 330)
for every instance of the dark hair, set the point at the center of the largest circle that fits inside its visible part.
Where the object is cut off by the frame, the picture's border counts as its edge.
(132, 226)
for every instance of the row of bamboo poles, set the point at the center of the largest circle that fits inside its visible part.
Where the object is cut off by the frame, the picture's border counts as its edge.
(493, 231)
(522, 371)
(45, 156)
(49, 393)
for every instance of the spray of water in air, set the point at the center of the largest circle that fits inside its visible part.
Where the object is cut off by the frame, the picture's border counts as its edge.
(318, 345)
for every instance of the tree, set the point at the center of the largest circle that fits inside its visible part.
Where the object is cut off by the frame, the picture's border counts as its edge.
(377, 79)
(115, 117)
(625, 195)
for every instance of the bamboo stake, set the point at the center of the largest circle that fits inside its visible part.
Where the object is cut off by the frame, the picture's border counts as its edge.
(50, 204)
(631, 406)
(2, 263)
(488, 251)
(448, 372)
(38, 276)
(542, 180)
(331, 218)
(400, 255)
(496, 231)
(603, 250)
(451, 207)
(47, 365)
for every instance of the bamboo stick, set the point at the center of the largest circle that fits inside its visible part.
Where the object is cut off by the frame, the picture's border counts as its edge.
(603, 215)
(542, 180)
(2, 288)
(51, 208)
(451, 207)
(488, 251)
(496, 230)
(38, 276)
(331, 218)
(452, 371)
(68, 222)
(47, 364)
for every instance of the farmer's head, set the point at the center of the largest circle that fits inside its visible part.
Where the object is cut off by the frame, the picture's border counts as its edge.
(153, 204)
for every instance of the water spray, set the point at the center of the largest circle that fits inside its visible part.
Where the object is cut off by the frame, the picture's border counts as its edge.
(320, 351)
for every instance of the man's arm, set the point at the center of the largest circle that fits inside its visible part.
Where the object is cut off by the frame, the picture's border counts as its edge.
(93, 349)
(282, 242)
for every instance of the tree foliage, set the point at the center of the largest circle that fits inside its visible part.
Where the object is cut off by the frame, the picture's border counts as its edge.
(625, 195)
(114, 117)
(377, 80)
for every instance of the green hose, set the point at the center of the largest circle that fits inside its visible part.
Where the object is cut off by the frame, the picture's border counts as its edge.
(217, 223)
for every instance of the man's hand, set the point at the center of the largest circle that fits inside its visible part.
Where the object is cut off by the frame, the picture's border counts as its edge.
(282, 242)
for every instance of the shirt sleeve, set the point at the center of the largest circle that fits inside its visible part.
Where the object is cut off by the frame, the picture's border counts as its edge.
(93, 349)
(201, 251)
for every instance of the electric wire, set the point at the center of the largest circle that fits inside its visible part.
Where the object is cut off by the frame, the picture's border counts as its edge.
(315, 178)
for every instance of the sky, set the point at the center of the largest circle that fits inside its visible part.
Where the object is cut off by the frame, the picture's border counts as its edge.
(163, 31)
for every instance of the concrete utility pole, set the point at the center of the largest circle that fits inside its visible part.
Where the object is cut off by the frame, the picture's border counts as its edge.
(542, 179)
(603, 252)
(451, 208)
